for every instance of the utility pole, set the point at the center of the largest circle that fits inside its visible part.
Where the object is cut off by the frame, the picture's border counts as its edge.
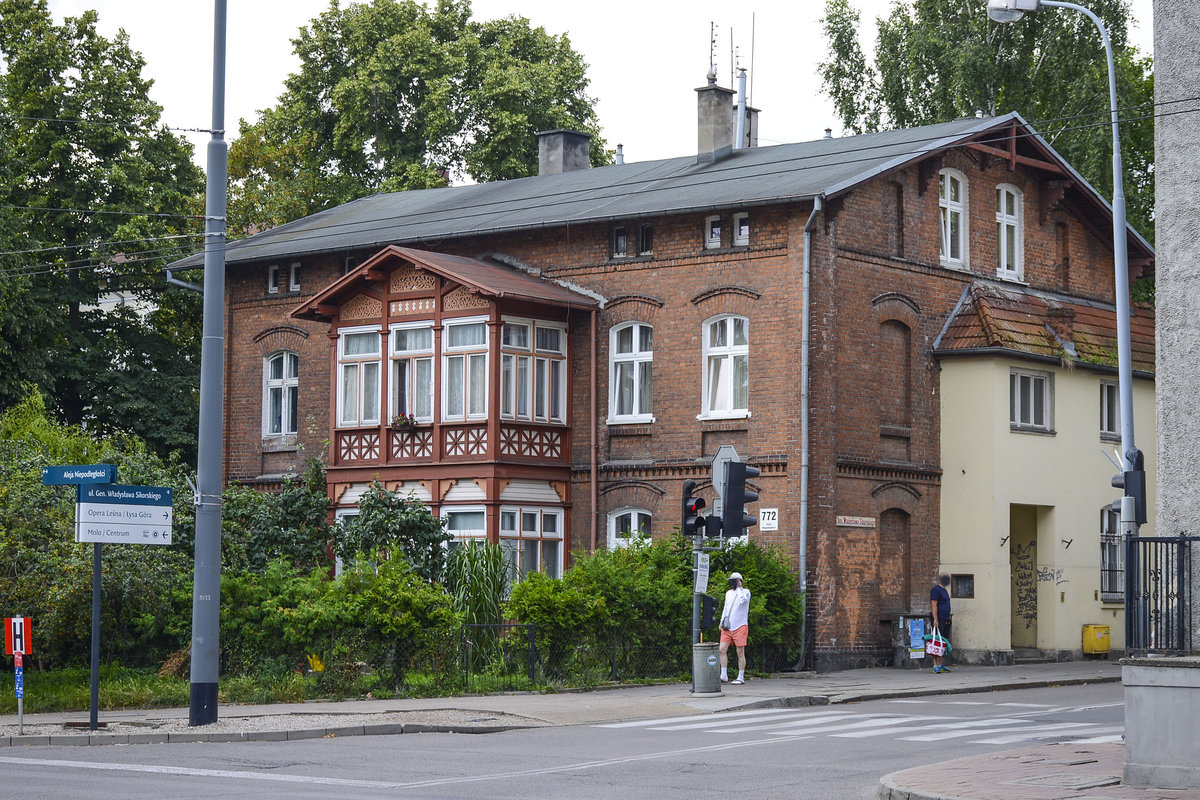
(206, 579)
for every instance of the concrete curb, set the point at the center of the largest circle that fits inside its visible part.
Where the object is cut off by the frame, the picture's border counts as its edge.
(888, 790)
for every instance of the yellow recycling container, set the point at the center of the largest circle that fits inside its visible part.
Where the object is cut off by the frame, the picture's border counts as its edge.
(1095, 639)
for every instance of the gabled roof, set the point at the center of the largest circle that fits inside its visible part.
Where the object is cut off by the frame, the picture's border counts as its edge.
(745, 178)
(1021, 322)
(487, 279)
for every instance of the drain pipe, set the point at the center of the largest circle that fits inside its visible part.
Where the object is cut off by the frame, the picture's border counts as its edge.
(173, 281)
(593, 424)
(805, 368)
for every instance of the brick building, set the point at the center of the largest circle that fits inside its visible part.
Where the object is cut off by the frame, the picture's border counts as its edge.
(646, 314)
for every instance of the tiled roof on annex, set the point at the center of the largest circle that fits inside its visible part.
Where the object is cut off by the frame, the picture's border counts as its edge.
(744, 178)
(1017, 319)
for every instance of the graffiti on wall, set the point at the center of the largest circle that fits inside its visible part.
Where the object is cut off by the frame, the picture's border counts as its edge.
(1045, 575)
(1025, 578)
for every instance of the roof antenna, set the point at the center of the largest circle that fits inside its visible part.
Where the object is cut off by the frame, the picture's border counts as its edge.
(712, 54)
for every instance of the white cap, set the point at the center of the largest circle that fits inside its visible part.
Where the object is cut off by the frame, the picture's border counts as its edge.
(735, 576)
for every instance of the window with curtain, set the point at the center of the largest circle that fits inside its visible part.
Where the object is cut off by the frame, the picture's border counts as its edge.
(631, 373)
(726, 367)
(282, 388)
(952, 208)
(359, 359)
(464, 368)
(412, 371)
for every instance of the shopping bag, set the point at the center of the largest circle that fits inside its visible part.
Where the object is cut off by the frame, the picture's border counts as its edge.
(936, 644)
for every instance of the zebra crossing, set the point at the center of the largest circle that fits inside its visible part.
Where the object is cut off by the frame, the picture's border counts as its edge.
(1014, 723)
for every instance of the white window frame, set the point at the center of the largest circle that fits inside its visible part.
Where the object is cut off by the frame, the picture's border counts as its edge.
(741, 220)
(294, 277)
(1112, 557)
(361, 416)
(725, 406)
(273, 279)
(712, 232)
(636, 360)
(1110, 410)
(412, 358)
(288, 389)
(471, 355)
(537, 536)
(533, 377)
(1010, 265)
(947, 209)
(640, 523)
(1022, 405)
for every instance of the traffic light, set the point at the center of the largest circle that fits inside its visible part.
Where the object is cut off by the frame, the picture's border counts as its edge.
(692, 522)
(735, 496)
(708, 611)
(1133, 484)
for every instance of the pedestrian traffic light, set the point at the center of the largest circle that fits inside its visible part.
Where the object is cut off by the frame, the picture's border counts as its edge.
(1132, 482)
(692, 522)
(708, 612)
(735, 497)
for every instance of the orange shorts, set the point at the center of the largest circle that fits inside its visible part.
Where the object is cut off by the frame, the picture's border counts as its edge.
(737, 638)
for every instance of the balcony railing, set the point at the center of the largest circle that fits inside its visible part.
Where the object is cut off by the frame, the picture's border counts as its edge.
(426, 444)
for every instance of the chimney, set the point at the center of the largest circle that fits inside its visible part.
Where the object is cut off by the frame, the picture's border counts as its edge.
(715, 121)
(1062, 323)
(563, 150)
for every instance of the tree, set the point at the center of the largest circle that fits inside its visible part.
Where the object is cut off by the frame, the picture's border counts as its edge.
(938, 60)
(389, 521)
(102, 195)
(393, 96)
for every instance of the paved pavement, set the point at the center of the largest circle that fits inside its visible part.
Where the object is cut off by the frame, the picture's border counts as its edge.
(1053, 772)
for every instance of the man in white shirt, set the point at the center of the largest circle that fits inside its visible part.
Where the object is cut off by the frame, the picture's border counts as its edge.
(735, 627)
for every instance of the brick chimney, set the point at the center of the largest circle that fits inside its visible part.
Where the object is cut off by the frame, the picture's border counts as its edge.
(1062, 323)
(563, 150)
(716, 121)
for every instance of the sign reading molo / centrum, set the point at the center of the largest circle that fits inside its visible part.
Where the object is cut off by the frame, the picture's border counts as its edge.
(124, 514)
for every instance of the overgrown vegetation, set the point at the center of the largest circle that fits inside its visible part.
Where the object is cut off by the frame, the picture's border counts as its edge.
(405, 615)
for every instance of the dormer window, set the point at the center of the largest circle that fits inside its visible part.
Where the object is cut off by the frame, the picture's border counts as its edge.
(712, 233)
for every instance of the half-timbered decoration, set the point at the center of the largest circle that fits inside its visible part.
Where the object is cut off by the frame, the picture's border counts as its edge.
(450, 374)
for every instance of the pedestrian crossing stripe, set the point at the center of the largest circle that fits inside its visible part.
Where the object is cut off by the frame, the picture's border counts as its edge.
(803, 724)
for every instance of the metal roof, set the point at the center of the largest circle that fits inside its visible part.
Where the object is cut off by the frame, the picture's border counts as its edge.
(748, 177)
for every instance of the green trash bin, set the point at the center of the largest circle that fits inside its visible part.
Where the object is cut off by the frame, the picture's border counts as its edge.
(706, 668)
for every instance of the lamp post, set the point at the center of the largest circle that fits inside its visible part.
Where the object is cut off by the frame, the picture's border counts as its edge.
(1011, 11)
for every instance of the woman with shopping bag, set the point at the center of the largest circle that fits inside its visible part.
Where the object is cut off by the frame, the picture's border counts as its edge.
(939, 602)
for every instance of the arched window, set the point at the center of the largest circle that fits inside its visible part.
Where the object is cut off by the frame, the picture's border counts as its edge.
(952, 206)
(726, 367)
(631, 373)
(626, 523)
(1010, 245)
(281, 389)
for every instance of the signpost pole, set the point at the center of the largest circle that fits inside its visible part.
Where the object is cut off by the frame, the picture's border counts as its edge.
(94, 718)
(19, 678)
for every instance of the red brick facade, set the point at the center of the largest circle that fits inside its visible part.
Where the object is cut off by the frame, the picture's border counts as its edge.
(880, 296)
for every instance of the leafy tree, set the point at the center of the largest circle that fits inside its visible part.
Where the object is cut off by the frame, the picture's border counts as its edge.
(391, 96)
(291, 524)
(388, 521)
(938, 60)
(102, 195)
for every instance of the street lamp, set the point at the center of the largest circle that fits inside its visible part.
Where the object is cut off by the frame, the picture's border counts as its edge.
(1011, 11)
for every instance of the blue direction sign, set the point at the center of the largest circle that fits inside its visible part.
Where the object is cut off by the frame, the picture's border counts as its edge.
(124, 514)
(20, 688)
(90, 473)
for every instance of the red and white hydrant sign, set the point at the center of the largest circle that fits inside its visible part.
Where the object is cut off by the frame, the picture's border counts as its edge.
(18, 635)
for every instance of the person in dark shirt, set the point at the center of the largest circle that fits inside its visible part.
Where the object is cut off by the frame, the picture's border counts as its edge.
(939, 603)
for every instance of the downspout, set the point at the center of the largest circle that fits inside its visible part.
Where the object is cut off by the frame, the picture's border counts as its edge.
(805, 324)
(173, 281)
(593, 423)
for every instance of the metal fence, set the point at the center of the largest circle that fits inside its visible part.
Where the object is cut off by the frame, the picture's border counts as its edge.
(1160, 597)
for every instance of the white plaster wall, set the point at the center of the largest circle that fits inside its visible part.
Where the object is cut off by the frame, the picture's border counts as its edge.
(987, 467)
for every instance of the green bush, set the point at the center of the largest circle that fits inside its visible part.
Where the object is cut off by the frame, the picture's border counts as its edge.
(390, 522)
(776, 605)
(565, 617)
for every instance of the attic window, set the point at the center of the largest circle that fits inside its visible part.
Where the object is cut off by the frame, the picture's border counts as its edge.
(741, 229)
(620, 242)
(712, 233)
(646, 240)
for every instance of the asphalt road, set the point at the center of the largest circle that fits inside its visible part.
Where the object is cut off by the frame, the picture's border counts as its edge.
(823, 752)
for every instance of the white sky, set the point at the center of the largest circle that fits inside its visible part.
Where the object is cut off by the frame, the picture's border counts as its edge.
(645, 58)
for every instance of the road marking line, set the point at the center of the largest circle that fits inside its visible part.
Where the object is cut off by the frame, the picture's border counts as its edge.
(724, 723)
(958, 734)
(694, 717)
(1046, 732)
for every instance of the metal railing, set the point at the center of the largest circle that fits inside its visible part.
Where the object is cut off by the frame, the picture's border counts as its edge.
(1160, 598)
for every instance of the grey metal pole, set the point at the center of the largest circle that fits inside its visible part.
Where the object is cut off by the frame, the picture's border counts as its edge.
(94, 705)
(206, 581)
(1120, 250)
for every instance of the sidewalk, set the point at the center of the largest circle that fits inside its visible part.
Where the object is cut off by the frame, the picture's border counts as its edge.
(1052, 772)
